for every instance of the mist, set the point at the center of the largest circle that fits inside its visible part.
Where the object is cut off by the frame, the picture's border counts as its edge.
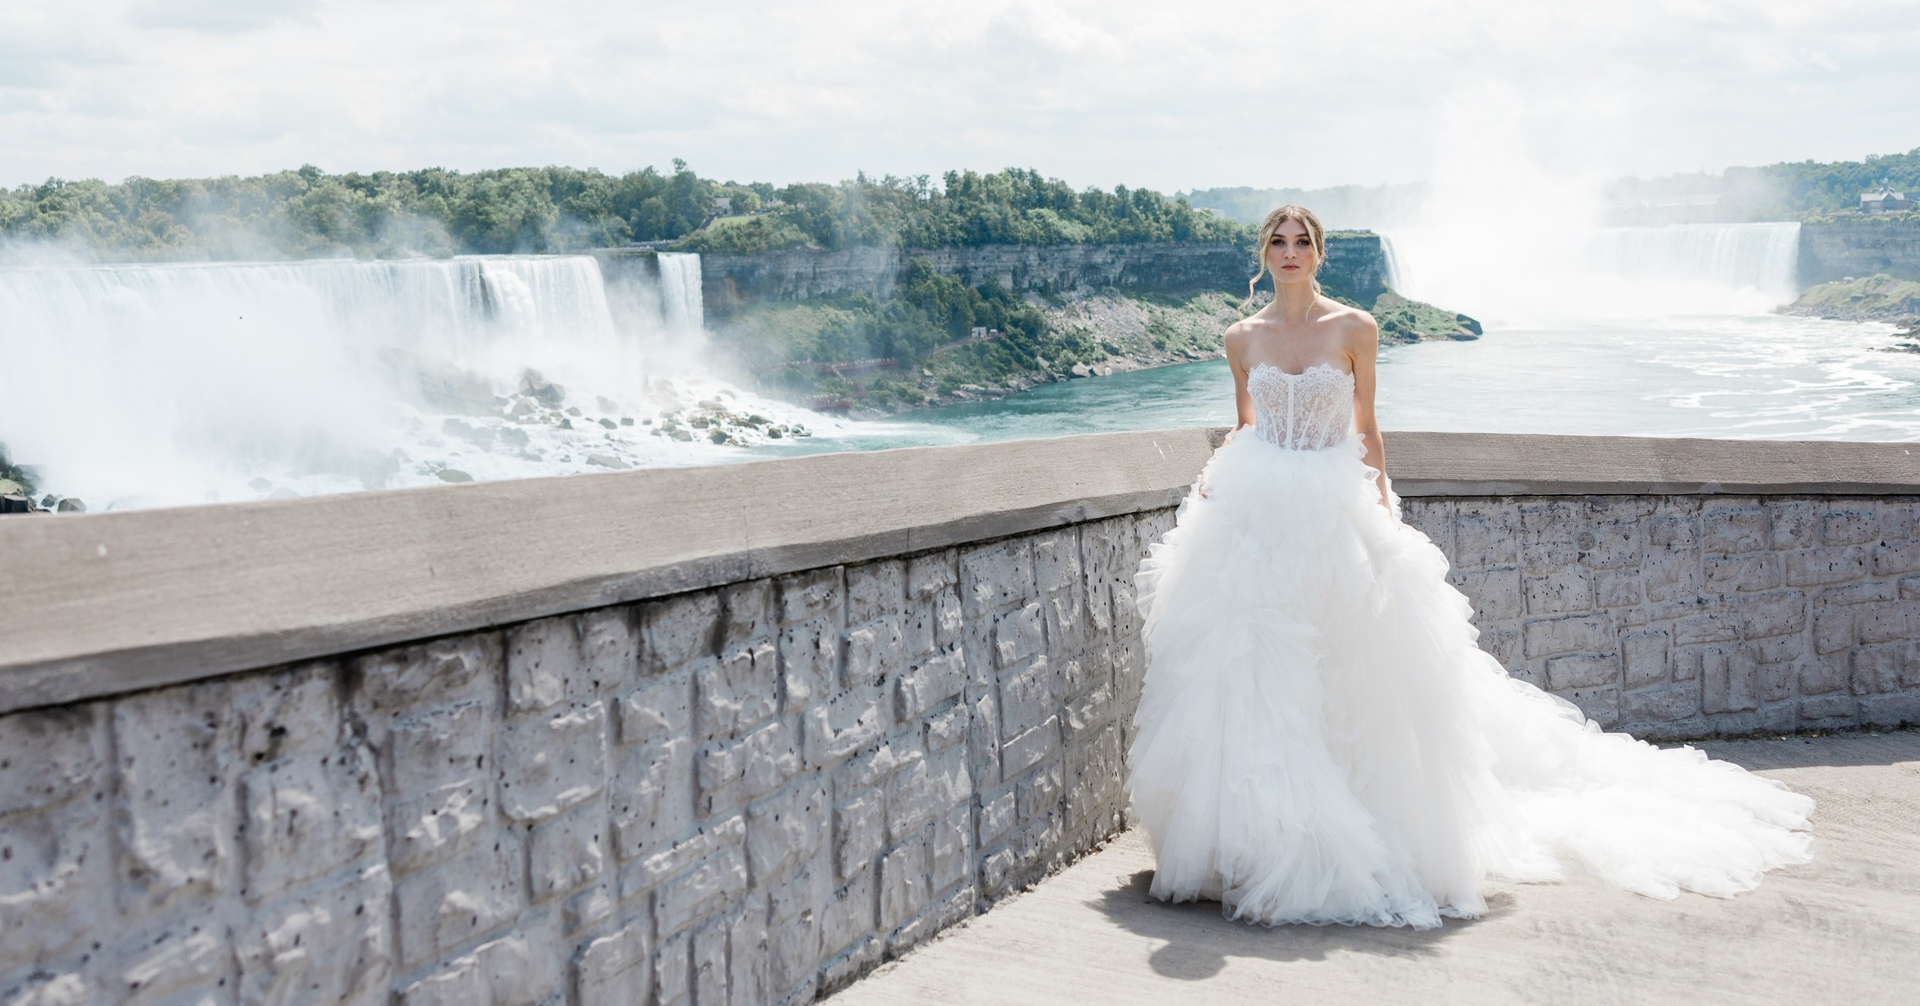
(158, 384)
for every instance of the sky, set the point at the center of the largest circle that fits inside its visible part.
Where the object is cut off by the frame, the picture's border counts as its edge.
(1172, 96)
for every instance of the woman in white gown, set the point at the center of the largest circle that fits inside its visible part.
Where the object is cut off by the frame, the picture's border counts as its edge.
(1320, 739)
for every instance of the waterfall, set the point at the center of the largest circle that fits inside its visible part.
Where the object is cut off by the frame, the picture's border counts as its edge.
(1760, 257)
(1523, 270)
(148, 384)
(1396, 274)
(680, 299)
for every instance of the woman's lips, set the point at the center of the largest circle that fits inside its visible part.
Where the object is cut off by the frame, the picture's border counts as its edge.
(1291, 268)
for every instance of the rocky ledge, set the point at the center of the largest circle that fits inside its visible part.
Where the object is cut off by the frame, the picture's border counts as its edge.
(1874, 298)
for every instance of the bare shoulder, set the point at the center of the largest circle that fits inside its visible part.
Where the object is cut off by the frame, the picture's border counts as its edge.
(1357, 328)
(1235, 341)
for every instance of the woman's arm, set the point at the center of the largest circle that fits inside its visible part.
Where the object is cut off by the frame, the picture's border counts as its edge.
(1235, 345)
(1363, 344)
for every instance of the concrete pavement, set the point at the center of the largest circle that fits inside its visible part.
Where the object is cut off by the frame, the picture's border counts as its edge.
(1842, 929)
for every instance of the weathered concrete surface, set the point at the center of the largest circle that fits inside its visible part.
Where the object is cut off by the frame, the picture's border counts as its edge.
(1844, 928)
(103, 604)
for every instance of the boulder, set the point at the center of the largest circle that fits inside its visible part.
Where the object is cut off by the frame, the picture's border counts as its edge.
(542, 390)
(606, 461)
(453, 475)
(480, 436)
(71, 505)
(451, 389)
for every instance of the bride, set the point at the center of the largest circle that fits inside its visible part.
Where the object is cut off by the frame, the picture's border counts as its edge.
(1320, 739)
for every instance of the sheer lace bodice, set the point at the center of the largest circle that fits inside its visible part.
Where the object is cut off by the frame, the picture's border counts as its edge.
(1308, 411)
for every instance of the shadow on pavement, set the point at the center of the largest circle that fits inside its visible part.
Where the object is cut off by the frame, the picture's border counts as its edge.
(1850, 749)
(1198, 939)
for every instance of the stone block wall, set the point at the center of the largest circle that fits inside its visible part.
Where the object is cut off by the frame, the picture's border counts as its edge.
(1684, 616)
(750, 794)
(754, 793)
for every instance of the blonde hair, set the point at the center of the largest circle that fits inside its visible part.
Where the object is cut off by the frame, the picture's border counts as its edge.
(1268, 227)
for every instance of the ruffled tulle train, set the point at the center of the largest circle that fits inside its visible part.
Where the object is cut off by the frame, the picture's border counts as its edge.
(1320, 739)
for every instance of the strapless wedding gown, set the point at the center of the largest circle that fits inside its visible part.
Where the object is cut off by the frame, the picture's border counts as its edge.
(1320, 740)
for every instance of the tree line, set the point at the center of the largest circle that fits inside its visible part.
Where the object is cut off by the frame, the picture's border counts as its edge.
(1802, 189)
(436, 212)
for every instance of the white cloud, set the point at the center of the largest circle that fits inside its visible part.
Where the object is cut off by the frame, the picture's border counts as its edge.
(1211, 92)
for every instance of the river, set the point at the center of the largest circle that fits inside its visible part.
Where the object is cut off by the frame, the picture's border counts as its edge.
(1730, 376)
(143, 385)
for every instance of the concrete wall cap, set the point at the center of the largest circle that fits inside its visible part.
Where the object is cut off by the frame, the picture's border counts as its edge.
(108, 603)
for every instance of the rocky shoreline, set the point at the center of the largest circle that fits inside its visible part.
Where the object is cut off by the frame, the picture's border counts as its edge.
(1873, 298)
(20, 493)
(1140, 333)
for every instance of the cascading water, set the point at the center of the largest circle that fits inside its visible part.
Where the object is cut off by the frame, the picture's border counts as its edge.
(1396, 277)
(1763, 258)
(1572, 274)
(136, 385)
(681, 304)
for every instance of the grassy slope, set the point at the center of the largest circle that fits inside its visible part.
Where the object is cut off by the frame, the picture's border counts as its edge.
(1874, 298)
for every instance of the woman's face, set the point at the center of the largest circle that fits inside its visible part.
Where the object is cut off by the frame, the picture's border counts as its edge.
(1290, 254)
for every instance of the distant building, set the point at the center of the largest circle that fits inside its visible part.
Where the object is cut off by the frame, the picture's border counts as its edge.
(1884, 201)
(723, 206)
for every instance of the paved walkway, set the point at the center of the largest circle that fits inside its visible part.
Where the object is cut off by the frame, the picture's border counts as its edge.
(1842, 929)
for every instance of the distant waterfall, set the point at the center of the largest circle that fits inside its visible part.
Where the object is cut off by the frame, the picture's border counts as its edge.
(183, 382)
(1761, 257)
(1520, 270)
(1396, 273)
(681, 305)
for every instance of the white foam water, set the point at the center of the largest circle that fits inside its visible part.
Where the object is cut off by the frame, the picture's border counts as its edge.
(681, 304)
(135, 385)
(1574, 274)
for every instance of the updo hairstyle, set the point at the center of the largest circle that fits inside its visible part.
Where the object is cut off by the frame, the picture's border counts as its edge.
(1315, 234)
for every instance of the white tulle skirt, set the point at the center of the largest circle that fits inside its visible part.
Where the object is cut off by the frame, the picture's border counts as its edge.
(1320, 740)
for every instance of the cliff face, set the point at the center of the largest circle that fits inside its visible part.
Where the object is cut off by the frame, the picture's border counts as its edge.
(1356, 269)
(1839, 249)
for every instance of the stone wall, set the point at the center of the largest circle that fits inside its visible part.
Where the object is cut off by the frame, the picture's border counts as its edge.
(1356, 268)
(1687, 616)
(595, 746)
(741, 795)
(1836, 249)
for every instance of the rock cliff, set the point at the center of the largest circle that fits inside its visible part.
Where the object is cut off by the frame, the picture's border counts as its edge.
(1851, 248)
(1356, 269)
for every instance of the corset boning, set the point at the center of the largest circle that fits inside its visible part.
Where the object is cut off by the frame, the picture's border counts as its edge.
(1308, 411)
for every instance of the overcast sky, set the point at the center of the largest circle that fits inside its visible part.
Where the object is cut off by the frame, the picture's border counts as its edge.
(1172, 95)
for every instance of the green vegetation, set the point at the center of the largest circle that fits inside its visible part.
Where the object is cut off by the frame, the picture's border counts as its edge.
(1015, 206)
(1340, 202)
(439, 212)
(1800, 190)
(1875, 298)
(879, 355)
(1811, 188)
(1402, 321)
(309, 212)
(917, 349)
